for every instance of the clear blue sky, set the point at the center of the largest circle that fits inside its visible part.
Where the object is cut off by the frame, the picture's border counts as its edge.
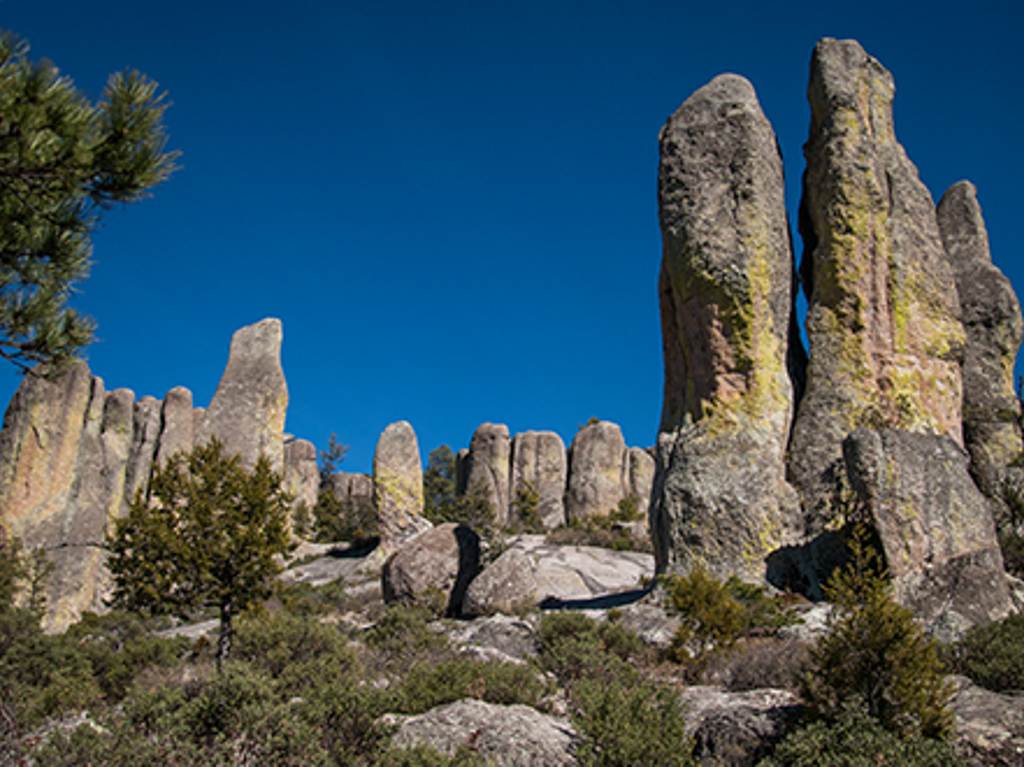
(452, 206)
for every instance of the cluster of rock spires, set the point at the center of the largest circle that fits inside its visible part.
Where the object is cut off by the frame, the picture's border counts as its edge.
(902, 414)
(763, 453)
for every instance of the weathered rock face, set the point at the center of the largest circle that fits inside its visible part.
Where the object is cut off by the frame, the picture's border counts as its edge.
(301, 473)
(884, 319)
(539, 463)
(145, 436)
(935, 527)
(597, 471)
(506, 736)
(992, 321)
(989, 726)
(62, 458)
(726, 290)
(433, 569)
(348, 486)
(398, 485)
(177, 433)
(248, 409)
(531, 571)
(487, 470)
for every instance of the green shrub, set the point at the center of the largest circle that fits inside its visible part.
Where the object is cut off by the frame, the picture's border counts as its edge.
(424, 756)
(354, 519)
(855, 739)
(573, 646)
(525, 512)
(714, 615)
(427, 685)
(402, 635)
(993, 655)
(347, 714)
(604, 532)
(277, 642)
(876, 654)
(628, 724)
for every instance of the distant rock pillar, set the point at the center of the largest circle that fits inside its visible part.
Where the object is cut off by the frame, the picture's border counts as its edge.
(487, 469)
(398, 485)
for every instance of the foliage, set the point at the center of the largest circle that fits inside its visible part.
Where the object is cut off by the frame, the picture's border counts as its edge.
(525, 510)
(714, 615)
(331, 458)
(62, 161)
(207, 536)
(876, 655)
(353, 519)
(424, 756)
(623, 725)
(427, 685)
(755, 663)
(605, 532)
(993, 655)
(855, 739)
(403, 635)
(439, 489)
(573, 647)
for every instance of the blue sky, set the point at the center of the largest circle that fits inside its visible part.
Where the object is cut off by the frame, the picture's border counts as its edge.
(452, 206)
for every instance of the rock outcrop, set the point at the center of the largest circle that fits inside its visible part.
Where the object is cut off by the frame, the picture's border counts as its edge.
(433, 569)
(487, 469)
(989, 727)
(884, 320)
(247, 411)
(597, 471)
(934, 526)
(505, 736)
(177, 433)
(398, 485)
(539, 465)
(640, 470)
(992, 321)
(726, 288)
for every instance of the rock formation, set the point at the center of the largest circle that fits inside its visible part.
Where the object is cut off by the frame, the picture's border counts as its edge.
(301, 473)
(177, 434)
(640, 470)
(73, 456)
(248, 410)
(934, 526)
(398, 485)
(597, 471)
(726, 288)
(884, 321)
(487, 470)
(539, 465)
(350, 487)
(992, 322)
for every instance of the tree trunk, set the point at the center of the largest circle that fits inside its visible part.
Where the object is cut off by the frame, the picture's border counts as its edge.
(226, 634)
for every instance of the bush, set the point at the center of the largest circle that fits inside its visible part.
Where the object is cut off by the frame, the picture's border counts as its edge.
(855, 739)
(353, 520)
(604, 532)
(525, 512)
(282, 644)
(424, 756)
(427, 685)
(715, 615)
(403, 635)
(993, 655)
(757, 663)
(876, 655)
(624, 725)
(573, 646)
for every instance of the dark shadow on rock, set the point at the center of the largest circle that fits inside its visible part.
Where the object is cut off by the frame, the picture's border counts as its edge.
(804, 569)
(604, 602)
(469, 566)
(355, 550)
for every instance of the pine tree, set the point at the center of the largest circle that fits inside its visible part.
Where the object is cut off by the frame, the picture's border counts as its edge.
(207, 536)
(63, 160)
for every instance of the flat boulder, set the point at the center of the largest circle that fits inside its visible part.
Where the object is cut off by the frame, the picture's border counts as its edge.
(531, 572)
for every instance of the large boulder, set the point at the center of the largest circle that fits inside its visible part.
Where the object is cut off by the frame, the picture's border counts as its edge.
(597, 471)
(505, 736)
(530, 572)
(989, 727)
(730, 343)
(398, 485)
(539, 464)
(247, 411)
(993, 324)
(934, 526)
(433, 569)
(884, 319)
(487, 470)
(737, 728)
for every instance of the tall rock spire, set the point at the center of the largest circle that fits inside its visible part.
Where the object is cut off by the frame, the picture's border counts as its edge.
(883, 321)
(726, 288)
